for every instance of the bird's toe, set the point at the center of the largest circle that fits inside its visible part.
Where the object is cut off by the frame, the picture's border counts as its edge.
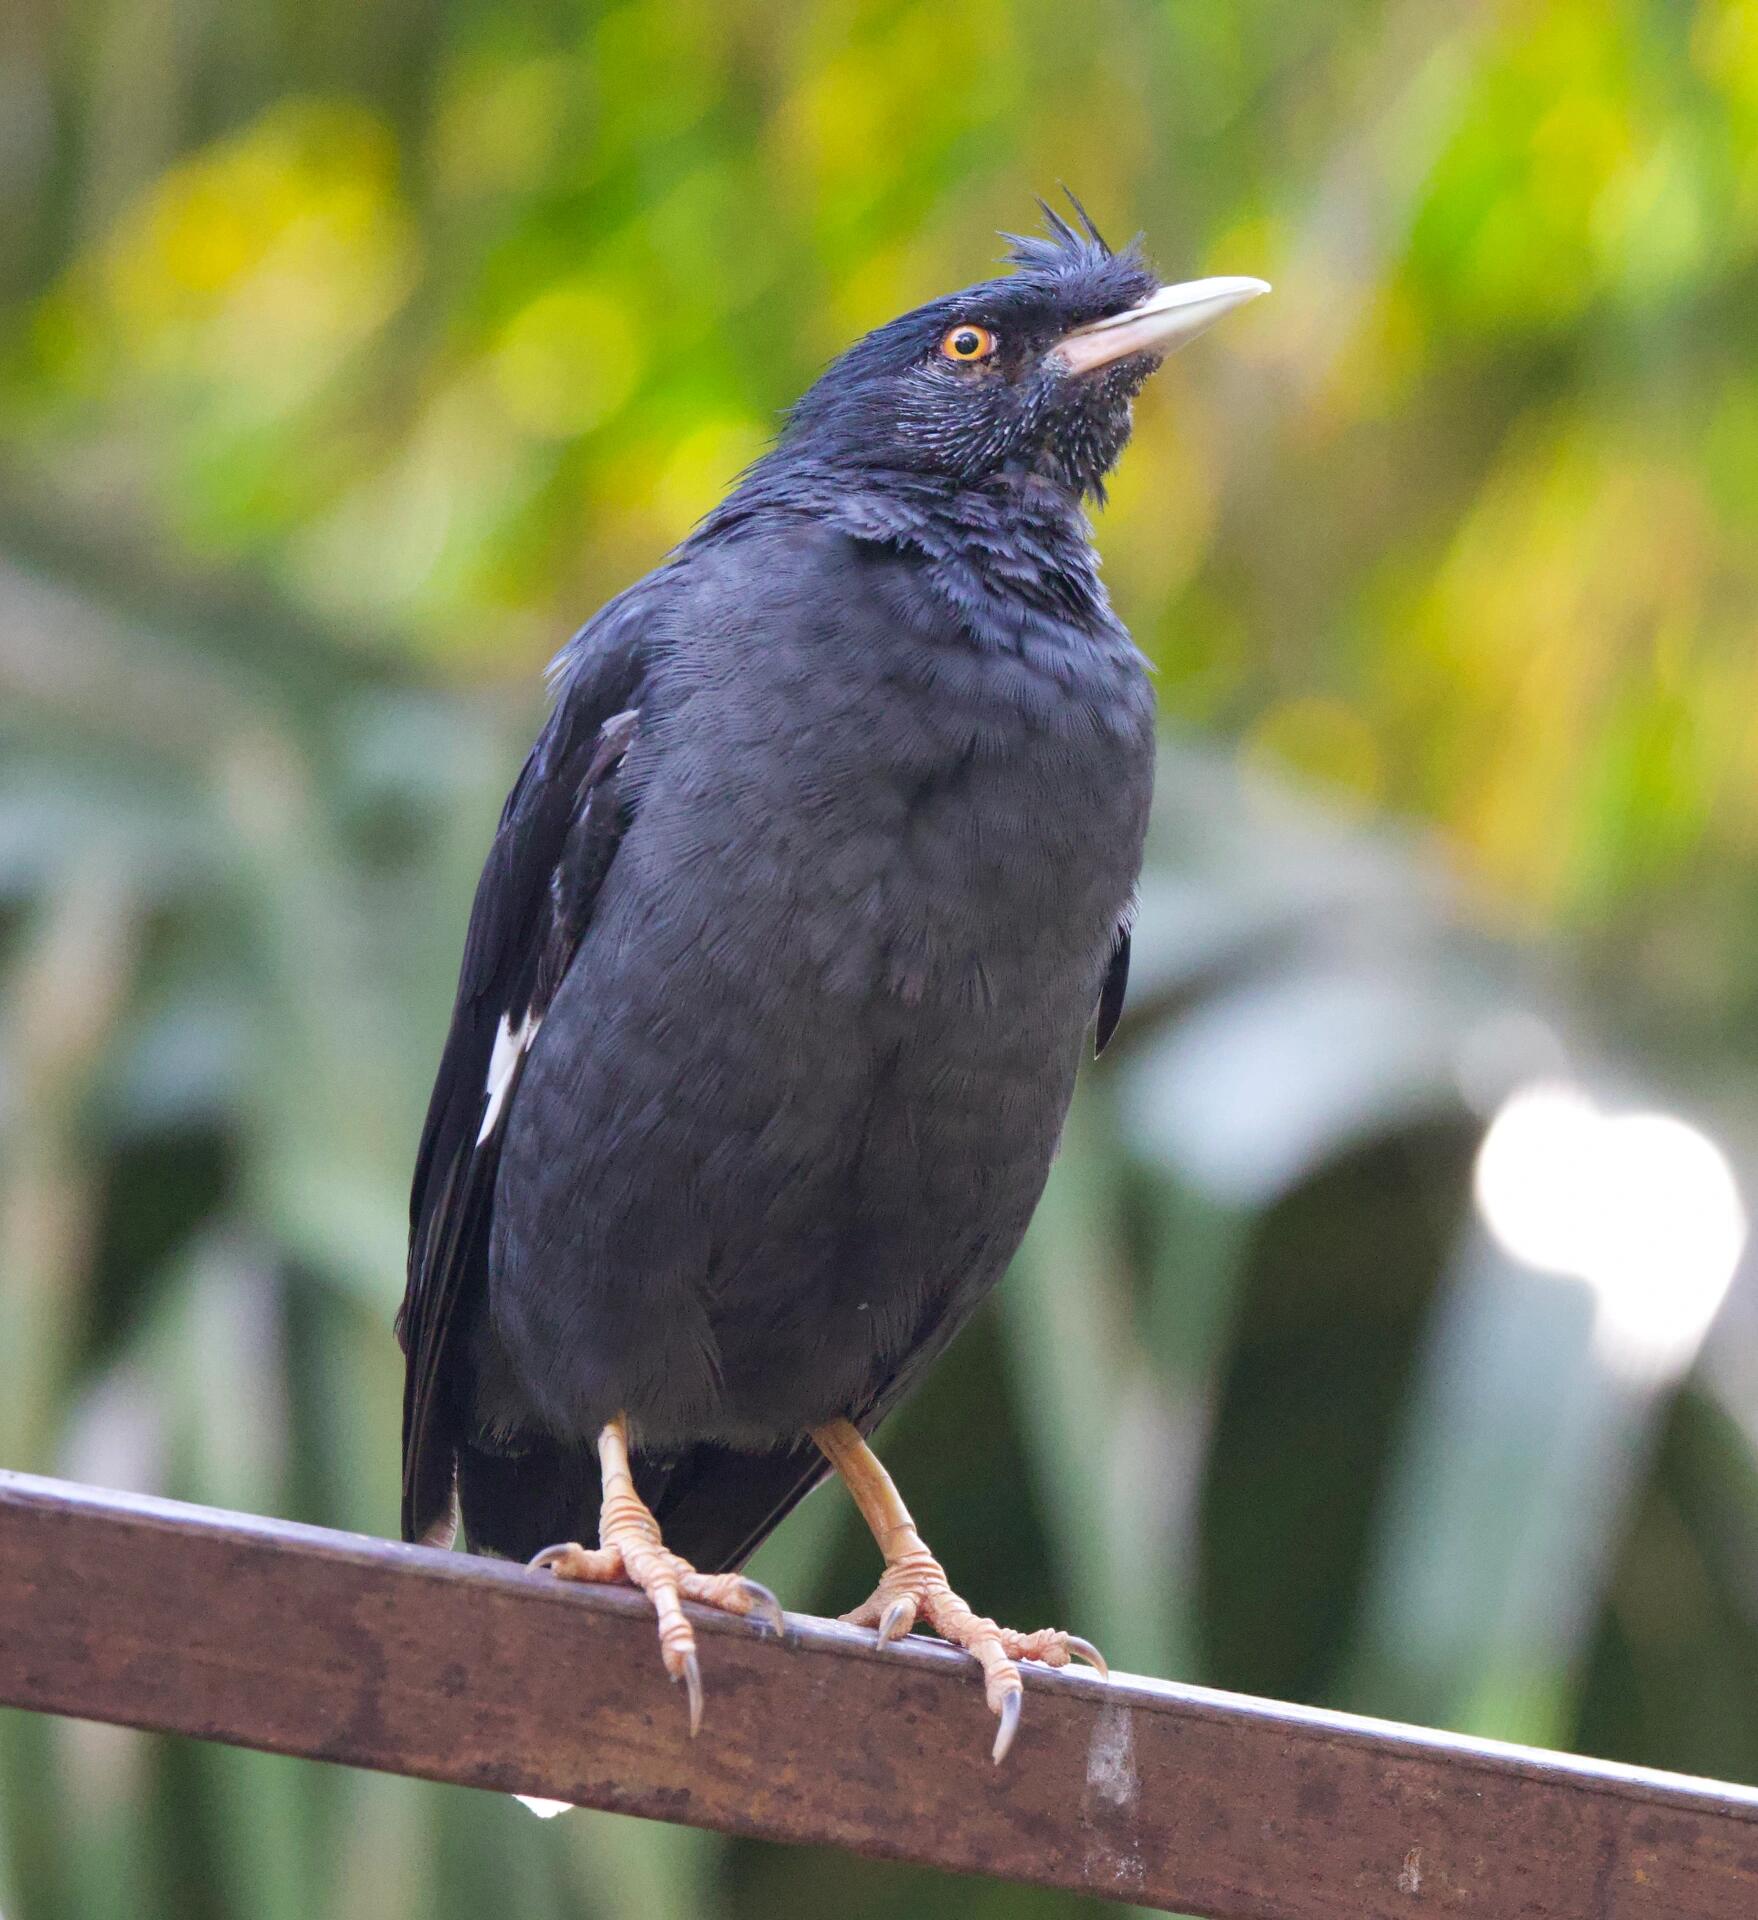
(915, 1588)
(568, 1560)
(1051, 1647)
(631, 1552)
(731, 1593)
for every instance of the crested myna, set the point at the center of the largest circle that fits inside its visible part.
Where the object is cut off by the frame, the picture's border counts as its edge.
(781, 963)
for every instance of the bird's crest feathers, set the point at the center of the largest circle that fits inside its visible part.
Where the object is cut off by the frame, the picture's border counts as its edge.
(1061, 248)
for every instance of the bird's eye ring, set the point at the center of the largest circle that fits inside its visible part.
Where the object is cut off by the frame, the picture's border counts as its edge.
(967, 343)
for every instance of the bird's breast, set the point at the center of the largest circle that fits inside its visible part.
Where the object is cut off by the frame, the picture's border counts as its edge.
(951, 830)
(807, 1072)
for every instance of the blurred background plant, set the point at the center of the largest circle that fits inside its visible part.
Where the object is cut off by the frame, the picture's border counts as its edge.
(1388, 1337)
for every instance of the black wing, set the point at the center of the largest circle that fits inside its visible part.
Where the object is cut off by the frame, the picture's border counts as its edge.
(558, 834)
(1112, 992)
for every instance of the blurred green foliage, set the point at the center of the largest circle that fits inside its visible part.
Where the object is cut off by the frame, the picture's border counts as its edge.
(351, 354)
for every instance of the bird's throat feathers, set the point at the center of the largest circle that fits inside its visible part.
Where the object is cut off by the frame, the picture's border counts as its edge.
(1014, 552)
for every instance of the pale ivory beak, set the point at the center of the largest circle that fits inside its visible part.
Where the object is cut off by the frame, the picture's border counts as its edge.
(1162, 323)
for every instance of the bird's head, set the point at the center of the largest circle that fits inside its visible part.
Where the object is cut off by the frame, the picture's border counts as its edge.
(1030, 373)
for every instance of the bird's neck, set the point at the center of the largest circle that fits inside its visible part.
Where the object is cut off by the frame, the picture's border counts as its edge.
(1017, 545)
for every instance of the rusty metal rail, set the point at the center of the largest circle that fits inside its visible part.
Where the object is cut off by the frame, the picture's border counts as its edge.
(336, 1647)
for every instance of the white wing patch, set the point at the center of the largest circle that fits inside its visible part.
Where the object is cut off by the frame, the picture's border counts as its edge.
(511, 1044)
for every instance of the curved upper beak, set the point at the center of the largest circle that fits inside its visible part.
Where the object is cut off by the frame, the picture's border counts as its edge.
(1162, 323)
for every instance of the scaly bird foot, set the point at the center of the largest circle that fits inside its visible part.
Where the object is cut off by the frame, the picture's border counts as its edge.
(914, 1585)
(631, 1549)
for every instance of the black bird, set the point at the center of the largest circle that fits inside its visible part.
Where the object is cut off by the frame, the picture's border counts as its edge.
(779, 968)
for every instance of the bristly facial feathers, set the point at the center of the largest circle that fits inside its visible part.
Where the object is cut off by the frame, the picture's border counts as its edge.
(897, 404)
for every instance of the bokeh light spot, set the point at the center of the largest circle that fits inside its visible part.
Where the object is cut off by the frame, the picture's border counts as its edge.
(567, 360)
(1643, 1207)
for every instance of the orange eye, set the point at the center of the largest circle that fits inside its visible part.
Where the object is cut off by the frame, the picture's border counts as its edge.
(967, 343)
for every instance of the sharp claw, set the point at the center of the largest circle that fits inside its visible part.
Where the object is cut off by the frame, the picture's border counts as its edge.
(1085, 1650)
(895, 1622)
(1010, 1709)
(765, 1605)
(692, 1679)
(548, 1556)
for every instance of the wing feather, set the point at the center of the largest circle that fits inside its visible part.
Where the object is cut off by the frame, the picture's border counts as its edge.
(1111, 994)
(557, 837)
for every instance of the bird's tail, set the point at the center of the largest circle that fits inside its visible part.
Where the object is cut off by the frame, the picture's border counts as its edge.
(515, 1504)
